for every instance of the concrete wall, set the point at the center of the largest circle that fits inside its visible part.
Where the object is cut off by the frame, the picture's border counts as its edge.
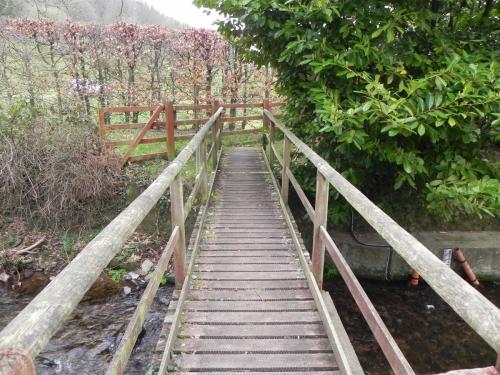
(481, 249)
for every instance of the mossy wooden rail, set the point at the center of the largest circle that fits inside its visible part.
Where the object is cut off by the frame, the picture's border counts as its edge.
(33, 327)
(481, 314)
(248, 298)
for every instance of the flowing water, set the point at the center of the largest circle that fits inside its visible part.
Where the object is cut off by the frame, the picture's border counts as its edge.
(86, 343)
(430, 334)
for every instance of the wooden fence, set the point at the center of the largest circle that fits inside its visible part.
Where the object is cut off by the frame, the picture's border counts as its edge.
(169, 122)
(32, 328)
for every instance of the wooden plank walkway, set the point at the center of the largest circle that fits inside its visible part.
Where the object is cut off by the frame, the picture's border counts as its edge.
(249, 307)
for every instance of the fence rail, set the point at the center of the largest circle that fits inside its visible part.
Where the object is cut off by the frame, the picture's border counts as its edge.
(165, 117)
(481, 314)
(33, 327)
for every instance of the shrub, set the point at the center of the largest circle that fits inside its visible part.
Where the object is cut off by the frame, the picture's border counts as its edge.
(395, 95)
(52, 172)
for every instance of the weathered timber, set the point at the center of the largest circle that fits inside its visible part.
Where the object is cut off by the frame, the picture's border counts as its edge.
(384, 338)
(302, 196)
(141, 134)
(191, 107)
(112, 144)
(170, 129)
(147, 156)
(344, 340)
(277, 155)
(482, 315)
(156, 124)
(134, 328)
(148, 108)
(346, 364)
(285, 181)
(243, 105)
(102, 124)
(320, 217)
(237, 301)
(176, 318)
(32, 328)
(178, 220)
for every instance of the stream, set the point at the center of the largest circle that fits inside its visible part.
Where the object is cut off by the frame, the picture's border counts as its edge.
(87, 341)
(432, 337)
(430, 334)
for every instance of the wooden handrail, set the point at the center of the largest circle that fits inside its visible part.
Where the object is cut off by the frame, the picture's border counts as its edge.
(33, 327)
(481, 314)
(384, 338)
(134, 328)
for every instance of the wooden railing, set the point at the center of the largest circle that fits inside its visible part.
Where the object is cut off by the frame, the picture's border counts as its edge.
(33, 327)
(165, 117)
(482, 315)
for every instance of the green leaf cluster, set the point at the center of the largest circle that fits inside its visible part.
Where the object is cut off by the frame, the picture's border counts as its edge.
(394, 94)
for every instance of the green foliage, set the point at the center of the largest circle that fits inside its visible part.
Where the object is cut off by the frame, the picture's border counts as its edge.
(395, 95)
(68, 243)
(164, 279)
(117, 274)
(331, 272)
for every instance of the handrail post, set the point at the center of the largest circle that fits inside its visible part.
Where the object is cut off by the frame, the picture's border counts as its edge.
(265, 122)
(285, 181)
(177, 217)
(272, 128)
(320, 218)
(220, 127)
(201, 156)
(215, 129)
(170, 128)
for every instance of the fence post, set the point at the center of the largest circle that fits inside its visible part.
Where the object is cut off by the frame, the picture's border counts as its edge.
(285, 182)
(220, 126)
(201, 168)
(170, 128)
(177, 217)
(320, 218)
(265, 122)
(215, 129)
(102, 126)
(270, 126)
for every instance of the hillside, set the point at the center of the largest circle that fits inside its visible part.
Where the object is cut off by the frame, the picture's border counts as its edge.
(97, 11)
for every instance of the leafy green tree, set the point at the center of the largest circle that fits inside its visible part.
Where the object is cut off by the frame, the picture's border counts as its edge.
(401, 95)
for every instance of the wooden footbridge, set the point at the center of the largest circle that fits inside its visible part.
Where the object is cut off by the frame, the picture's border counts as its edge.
(249, 298)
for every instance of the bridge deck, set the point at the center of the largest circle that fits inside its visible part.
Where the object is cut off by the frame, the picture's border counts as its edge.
(249, 307)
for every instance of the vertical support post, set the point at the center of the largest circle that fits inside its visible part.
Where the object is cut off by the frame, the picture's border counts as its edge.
(201, 168)
(204, 170)
(102, 125)
(269, 125)
(285, 182)
(170, 128)
(215, 129)
(272, 129)
(220, 127)
(320, 218)
(177, 215)
(265, 122)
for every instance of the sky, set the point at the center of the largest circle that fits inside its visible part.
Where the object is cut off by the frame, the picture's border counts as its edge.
(184, 11)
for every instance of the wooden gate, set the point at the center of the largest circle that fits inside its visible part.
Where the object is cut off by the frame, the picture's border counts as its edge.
(167, 123)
